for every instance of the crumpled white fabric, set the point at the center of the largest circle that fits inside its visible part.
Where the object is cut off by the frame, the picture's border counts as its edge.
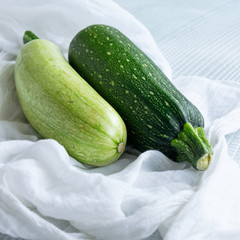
(45, 194)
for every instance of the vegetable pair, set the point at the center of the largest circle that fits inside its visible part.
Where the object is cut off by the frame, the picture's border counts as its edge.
(156, 114)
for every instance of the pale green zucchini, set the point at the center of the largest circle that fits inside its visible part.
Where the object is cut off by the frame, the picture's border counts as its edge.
(61, 105)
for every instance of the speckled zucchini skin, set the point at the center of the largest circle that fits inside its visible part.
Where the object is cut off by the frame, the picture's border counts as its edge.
(60, 105)
(151, 106)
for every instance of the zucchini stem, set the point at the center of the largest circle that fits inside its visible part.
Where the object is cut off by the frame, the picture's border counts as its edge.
(29, 36)
(192, 146)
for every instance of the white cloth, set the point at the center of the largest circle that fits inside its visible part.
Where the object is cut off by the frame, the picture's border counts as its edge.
(45, 194)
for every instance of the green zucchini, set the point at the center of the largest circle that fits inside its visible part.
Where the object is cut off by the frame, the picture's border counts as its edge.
(61, 105)
(157, 115)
